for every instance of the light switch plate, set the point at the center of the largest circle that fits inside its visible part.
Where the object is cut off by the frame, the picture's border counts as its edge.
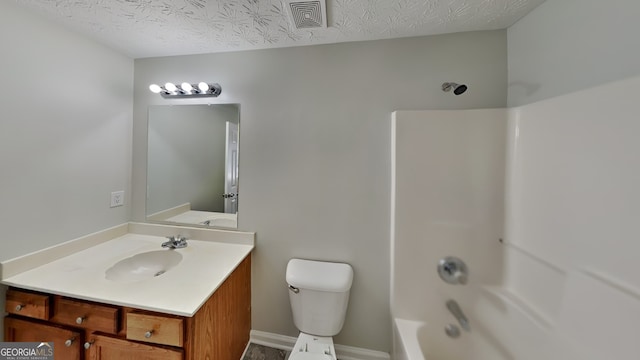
(117, 198)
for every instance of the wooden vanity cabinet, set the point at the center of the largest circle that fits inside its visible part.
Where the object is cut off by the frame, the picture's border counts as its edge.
(218, 330)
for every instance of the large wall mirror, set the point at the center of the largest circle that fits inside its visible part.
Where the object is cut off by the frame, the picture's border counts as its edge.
(192, 164)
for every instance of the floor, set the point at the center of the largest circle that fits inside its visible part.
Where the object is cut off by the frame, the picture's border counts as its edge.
(261, 352)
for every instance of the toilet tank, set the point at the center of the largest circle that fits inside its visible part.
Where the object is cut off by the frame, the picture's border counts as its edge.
(319, 295)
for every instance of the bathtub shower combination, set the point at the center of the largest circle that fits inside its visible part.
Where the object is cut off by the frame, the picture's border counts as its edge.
(446, 226)
(513, 233)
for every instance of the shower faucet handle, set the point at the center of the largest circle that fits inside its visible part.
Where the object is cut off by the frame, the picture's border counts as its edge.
(453, 270)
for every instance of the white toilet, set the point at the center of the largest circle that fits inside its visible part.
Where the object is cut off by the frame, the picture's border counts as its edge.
(319, 295)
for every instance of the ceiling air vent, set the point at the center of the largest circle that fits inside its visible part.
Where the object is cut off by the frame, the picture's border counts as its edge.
(307, 14)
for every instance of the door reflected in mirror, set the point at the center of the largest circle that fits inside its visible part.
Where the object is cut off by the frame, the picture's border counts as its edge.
(192, 164)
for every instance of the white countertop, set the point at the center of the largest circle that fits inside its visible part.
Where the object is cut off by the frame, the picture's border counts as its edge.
(185, 215)
(181, 290)
(199, 217)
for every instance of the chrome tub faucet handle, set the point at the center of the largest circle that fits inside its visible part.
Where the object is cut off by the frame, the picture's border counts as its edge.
(454, 308)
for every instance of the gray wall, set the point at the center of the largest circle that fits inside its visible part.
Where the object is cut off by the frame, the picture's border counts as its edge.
(65, 134)
(315, 151)
(62, 151)
(567, 45)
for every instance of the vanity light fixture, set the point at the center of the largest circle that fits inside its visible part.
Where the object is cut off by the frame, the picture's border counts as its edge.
(203, 87)
(186, 90)
(171, 87)
(186, 87)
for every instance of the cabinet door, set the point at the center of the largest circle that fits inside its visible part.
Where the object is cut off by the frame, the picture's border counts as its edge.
(66, 343)
(108, 348)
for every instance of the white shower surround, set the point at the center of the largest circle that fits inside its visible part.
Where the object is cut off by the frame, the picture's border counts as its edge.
(447, 200)
(564, 283)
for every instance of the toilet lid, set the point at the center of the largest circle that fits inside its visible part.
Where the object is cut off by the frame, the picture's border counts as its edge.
(310, 356)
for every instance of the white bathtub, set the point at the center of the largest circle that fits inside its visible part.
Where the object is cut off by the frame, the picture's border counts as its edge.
(406, 344)
(417, 340)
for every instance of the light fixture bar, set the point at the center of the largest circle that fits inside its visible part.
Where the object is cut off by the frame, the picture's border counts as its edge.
(186, 90)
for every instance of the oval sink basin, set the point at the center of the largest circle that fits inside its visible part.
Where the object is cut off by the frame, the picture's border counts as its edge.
(143, 266)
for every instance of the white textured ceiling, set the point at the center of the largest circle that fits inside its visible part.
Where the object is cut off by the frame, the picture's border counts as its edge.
(148, 28)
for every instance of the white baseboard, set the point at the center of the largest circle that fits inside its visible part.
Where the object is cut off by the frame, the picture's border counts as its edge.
(275, 341)
(286, 343)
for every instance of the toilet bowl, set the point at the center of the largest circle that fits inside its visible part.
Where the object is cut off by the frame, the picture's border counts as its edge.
(319, 296)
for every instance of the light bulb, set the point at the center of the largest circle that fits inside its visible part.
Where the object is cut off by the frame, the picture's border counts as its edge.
(156, 89)
(203, 86)
(170, 87)
(186, 87)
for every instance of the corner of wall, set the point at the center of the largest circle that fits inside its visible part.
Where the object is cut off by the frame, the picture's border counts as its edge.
(564, 46)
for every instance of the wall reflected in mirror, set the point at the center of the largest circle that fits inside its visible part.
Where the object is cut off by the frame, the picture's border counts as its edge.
(192, 164)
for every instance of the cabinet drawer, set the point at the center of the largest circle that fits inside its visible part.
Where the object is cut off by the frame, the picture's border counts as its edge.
(27, 304)
(155, 329)
(86, 315)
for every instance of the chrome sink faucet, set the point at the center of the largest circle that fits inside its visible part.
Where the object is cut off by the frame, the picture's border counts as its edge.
(175, 242)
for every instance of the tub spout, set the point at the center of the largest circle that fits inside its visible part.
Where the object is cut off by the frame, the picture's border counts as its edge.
(454, 308)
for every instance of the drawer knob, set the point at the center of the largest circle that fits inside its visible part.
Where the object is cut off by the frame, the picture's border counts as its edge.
(80, 320)
(69, 342)
(88, 344)
(19, 307)
(148, 334)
